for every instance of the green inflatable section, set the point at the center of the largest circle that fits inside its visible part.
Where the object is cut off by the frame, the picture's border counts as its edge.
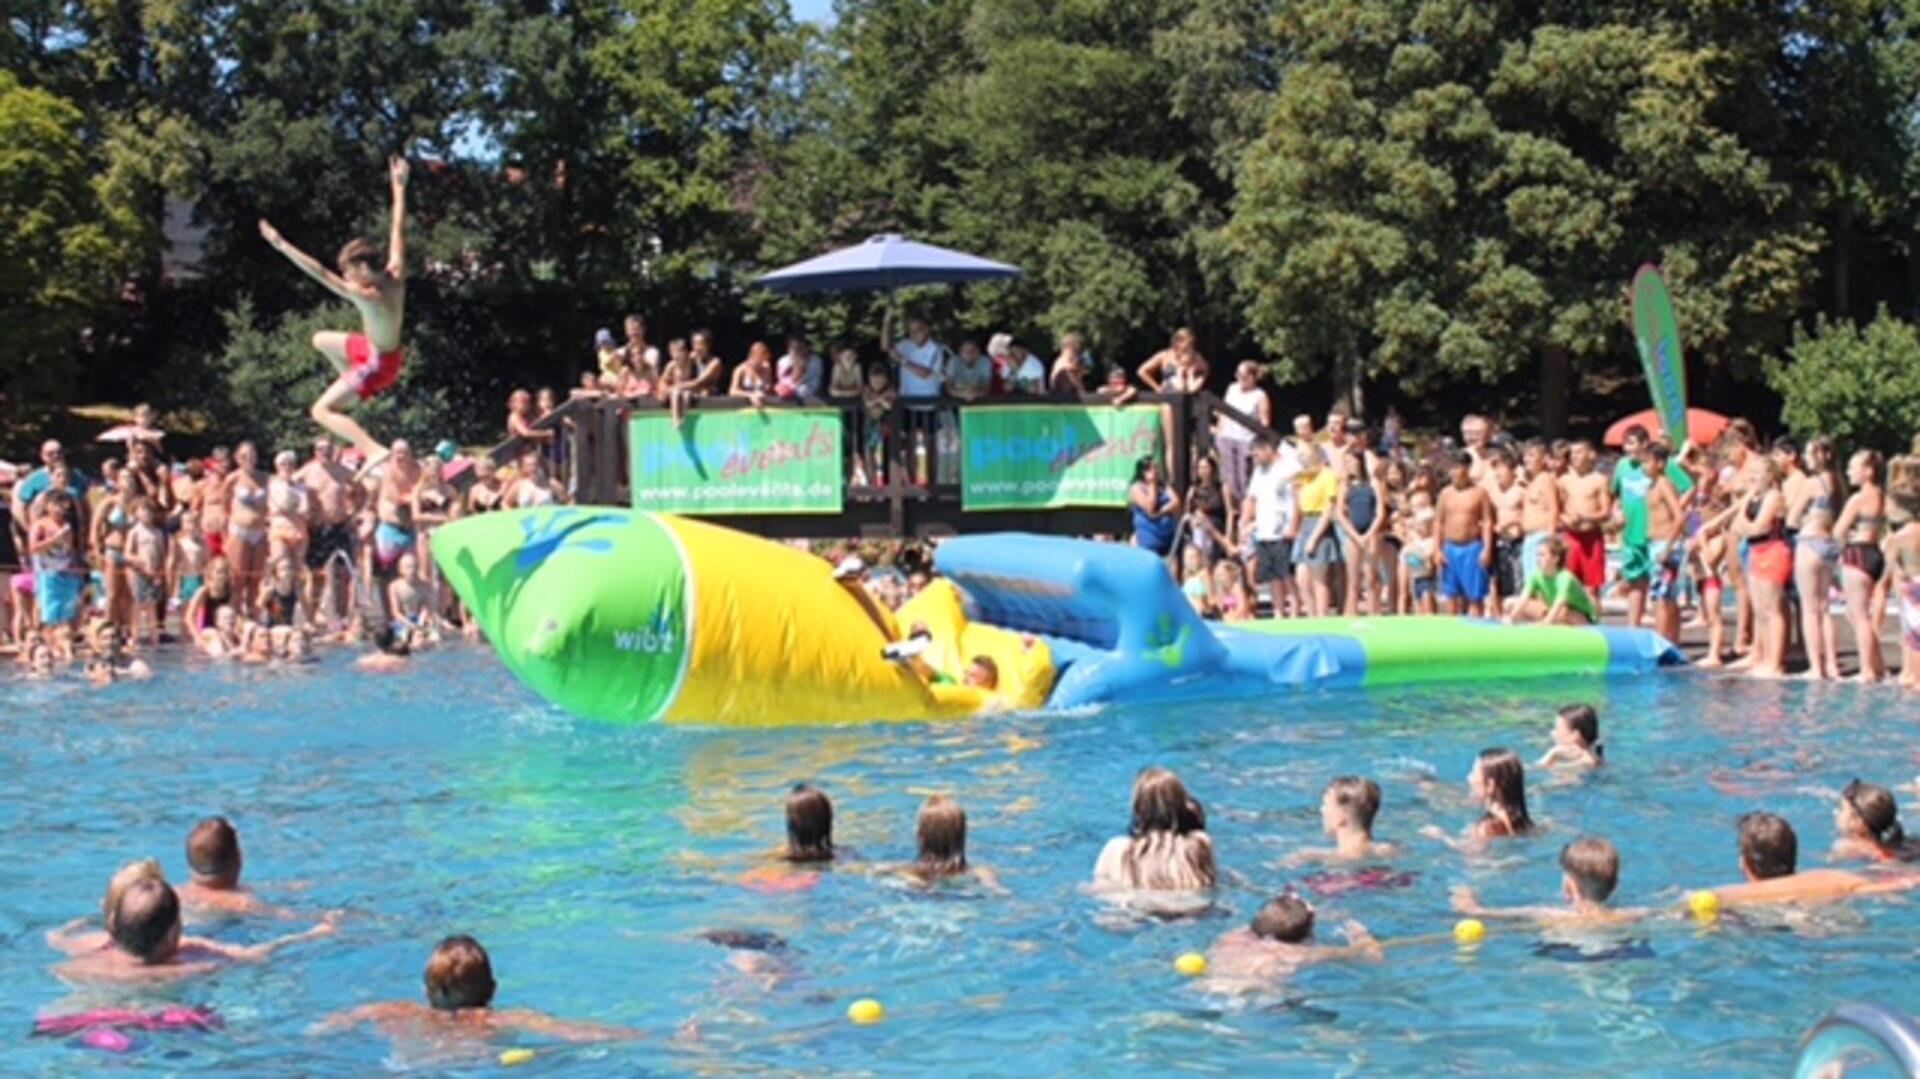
(611, 644)
(1434, 648)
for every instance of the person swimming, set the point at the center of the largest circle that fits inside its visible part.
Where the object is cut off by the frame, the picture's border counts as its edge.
(213, 858)
(460, 988)
(809, 825)
(1589, 873)
(1347, 810)
(1166, 848)
(1277, 943)
(1576, 739)
(940, 833)
(1769, 853)
(1498, 782)
(1867, 820)
(147, 942)
(390, 649)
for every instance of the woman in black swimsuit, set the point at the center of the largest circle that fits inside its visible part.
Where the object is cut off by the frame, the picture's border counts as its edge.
(1862, 524)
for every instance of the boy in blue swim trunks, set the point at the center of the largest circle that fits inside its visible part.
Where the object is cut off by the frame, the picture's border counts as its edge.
(1466, 540)
(1666, 525)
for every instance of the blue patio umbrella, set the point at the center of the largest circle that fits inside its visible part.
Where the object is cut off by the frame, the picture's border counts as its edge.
(887, 261)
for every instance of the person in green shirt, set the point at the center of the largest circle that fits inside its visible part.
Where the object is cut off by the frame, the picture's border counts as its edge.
(1554, 595)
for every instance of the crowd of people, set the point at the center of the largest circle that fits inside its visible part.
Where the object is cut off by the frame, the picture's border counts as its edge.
(238, 558)
(1349, 519)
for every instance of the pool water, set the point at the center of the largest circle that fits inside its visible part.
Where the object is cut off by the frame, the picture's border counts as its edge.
(588, 857)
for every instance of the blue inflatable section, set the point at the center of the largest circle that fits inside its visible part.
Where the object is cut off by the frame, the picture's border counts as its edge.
(1119, 628)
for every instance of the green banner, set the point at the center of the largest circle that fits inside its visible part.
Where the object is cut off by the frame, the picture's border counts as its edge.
(782, 460)
(1038, 456)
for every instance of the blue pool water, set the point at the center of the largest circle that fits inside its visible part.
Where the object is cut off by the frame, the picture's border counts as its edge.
(587, 858)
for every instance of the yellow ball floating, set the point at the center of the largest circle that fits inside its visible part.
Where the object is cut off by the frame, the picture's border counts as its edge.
(1469, 931)
(1192, 964)
(1705, 905)
(510, 1057)
(866, 1011)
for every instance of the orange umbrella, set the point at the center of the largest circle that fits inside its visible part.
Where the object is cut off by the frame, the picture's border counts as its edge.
(1703, 426)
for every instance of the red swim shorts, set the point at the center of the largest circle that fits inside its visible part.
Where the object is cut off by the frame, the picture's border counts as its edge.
(368, 373)
(1587, 558)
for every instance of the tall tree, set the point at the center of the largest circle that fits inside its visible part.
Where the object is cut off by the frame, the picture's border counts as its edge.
(1447, 188)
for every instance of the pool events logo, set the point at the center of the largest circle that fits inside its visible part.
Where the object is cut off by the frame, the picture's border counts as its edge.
(739, 456)
(1060, 448)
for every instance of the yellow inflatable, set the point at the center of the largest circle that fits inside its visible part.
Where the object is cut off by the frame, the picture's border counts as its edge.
(642, 617)
(1025, 663)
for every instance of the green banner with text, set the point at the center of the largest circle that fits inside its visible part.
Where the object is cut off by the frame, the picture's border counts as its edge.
(1040, 456)
(782, 460)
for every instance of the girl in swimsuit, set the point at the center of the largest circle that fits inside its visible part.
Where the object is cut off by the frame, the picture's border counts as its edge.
(1709, 554)
(288, 509)
(535, 487)
(246, 500)
(1178, 368)
(1230, 588)
(753, 379)
(1769, 567)
(211, 598)
(1498, 781)
(280, 595)
(1862, 567)
(188, 563)
(1867, 821)
(1816, 555)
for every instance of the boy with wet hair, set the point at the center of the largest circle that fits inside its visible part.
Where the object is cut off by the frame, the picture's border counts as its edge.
(1769, 856)
(1275, 944)
(1589, 873)
(148, 944)
(460, 987)
(1347, 810)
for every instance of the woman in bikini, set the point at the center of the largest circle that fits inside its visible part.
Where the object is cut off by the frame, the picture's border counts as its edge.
(288, 511)
(111, 523)
(245, 491)
(1178, 368)
(1862, 524)
(1812, 514)
(434, 503)
(535, 487)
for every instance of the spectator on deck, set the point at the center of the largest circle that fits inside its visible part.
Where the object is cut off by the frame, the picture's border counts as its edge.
(1234, 439)
(972, 375)
(1026, 373)
(638, 354)
(922, 360)
(1066, 379)
(1178, 368)
(800, 372)
(754, 378)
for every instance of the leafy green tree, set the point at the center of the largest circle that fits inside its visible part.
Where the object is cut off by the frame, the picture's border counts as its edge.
(60, 261)
(1464, 186)
(1858, 385)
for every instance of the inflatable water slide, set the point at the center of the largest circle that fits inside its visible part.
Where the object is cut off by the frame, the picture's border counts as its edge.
(640, 617)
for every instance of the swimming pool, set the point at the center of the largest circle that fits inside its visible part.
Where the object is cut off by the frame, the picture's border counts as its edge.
(586, 857)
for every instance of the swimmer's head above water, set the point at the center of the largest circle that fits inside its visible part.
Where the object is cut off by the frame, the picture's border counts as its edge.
(213, 853)
(1499, 781)
(1592, 870)
(146, 921)
(1287, 919)
(1577, 726)
(1868, 811)
(941, 833)
(1349, 802)
(809, 825)
(459, 975)
(1768, 847)
(144, 869)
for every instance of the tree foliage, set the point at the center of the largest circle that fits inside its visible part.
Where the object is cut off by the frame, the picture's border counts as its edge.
(1859, 385)
(1396, 195)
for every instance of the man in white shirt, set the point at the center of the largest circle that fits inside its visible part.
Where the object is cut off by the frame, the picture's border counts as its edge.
(800, 373)
(922, 361)
(1267, 515)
